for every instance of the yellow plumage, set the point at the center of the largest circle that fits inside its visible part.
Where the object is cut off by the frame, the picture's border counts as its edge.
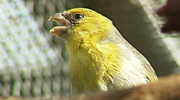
(100, 58)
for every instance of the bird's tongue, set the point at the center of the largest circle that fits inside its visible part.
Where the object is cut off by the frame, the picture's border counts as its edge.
(59, 30)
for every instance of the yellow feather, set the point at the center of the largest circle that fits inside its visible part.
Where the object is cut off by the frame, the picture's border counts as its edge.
(91, 68)
(100, 58)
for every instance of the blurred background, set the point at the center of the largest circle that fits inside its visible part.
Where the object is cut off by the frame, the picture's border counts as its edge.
(33, 63)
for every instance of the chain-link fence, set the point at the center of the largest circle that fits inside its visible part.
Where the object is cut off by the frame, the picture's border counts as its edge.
(29, 64)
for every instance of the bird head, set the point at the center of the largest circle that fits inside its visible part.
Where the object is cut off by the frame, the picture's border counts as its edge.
(81, 25)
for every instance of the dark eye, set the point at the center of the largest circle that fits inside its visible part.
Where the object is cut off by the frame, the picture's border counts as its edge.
(78, 16)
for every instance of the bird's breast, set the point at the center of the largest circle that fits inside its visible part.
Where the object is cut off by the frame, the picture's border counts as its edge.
(93, 67)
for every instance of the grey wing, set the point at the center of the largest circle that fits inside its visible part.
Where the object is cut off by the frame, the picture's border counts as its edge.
(135, 69)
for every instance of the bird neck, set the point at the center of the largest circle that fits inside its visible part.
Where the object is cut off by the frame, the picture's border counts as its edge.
(92, 65)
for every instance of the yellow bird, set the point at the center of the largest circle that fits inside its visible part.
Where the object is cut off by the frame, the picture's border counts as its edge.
(100, 58)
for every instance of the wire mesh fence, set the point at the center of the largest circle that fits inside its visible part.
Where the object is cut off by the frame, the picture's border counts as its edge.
(29, 64)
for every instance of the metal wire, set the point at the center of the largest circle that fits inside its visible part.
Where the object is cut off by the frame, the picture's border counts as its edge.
(29, 65)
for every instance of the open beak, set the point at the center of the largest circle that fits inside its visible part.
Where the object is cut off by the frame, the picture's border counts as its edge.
(64, 24)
